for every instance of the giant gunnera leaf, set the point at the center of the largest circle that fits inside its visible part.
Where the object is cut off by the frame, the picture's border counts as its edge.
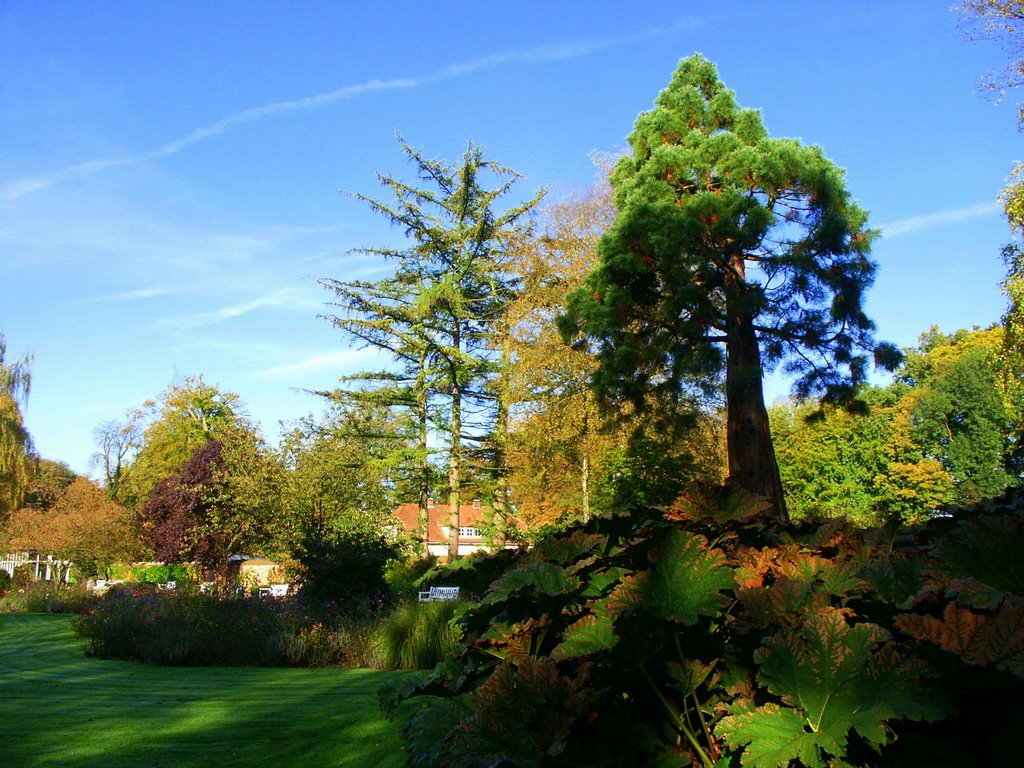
(831, 678)
(685, 581)
(588, 635)
(543, 578)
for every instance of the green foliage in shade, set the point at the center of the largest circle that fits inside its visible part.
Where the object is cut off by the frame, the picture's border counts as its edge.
(348, 566)
(66, 709)
(686, 580)
(592, 633)
(688, 637)
(835, 681)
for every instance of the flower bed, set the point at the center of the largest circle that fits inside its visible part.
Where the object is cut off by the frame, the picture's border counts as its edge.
(165, 627)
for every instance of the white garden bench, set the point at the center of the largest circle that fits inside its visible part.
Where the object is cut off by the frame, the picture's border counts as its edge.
(439, 593)
(274, 590)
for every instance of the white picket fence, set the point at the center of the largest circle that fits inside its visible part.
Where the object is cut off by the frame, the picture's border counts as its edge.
(43, 565)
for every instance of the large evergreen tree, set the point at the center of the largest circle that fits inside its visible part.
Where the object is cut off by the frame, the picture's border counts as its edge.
(444, 303)
(383, 315)
(731, 249)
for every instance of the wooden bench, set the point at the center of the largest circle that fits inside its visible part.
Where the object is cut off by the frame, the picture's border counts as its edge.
(439, 593)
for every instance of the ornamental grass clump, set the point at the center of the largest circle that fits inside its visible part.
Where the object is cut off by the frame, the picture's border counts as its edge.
(418, 635)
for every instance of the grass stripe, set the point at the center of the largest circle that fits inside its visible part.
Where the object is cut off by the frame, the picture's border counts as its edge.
(60, 707)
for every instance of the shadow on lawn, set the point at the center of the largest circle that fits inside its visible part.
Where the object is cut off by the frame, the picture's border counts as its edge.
(65, 708)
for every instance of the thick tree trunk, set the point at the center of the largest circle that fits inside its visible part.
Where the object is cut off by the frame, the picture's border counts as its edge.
(752, 464)
(585, 465)
(454, 474)
(501, 430)
(423, 481)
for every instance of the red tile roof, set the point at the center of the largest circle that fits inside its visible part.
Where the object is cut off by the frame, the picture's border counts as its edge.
(469, 517)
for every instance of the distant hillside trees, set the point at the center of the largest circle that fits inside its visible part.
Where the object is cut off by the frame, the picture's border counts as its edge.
(944, 432)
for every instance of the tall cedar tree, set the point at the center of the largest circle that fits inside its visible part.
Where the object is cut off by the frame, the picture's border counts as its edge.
(383, 315)
(456, 289)
(730, 248)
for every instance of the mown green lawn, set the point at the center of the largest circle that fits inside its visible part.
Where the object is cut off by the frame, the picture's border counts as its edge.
(59, 707)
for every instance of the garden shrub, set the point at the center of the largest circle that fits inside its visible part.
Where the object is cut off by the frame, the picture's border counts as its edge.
(347, 566)
(160, 574)
(185, 628)
(5, 580)
(418, 635)
(24, 575)
(700, 636)
(404, 577)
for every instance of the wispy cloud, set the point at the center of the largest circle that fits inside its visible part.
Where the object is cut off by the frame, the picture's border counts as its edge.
(939, 219)
(326, 361)
(16, 188)
(138, 294)
(288, 299)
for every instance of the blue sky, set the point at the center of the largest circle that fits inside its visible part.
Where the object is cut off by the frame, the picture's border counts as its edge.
(171, 173)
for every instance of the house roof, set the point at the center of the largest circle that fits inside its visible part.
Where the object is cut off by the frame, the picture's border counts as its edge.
(470, 516)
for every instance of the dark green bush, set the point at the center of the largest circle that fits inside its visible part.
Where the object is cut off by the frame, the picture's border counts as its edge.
(404, 577)
(5, 580)
(347, 566)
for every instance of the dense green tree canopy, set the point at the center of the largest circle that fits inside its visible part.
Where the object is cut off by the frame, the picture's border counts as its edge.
(945, 431)
(731, 250)
(185, 416)
(343, 471)
(958, 414)
(225, 500)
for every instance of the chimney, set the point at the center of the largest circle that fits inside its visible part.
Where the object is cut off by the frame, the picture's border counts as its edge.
(476, 503)
(430, 502)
